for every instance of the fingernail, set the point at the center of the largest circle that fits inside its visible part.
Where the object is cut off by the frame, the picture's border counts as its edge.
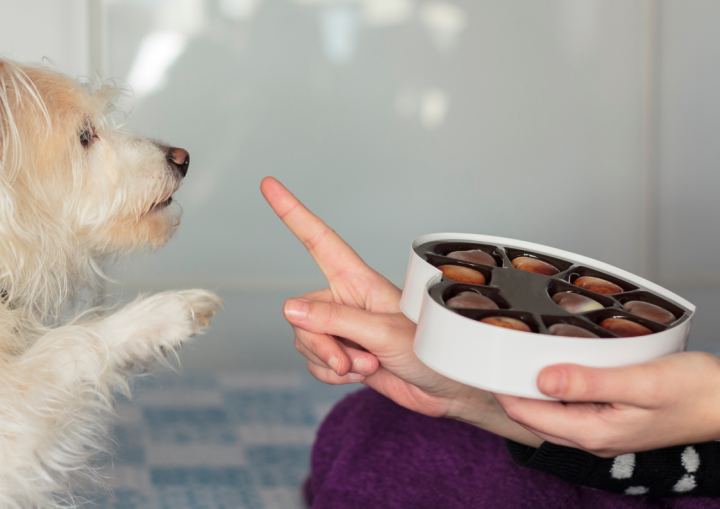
(354, 377)
(296, 309)
(333, 363)
(362, 366)
(553, 383)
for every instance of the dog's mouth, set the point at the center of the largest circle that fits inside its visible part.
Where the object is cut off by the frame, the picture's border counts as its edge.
(161, 204)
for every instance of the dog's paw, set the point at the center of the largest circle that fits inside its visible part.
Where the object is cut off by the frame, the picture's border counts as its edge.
(202, 305)
(152, 327)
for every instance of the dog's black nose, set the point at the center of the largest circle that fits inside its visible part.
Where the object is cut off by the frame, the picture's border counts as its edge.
(179, 159)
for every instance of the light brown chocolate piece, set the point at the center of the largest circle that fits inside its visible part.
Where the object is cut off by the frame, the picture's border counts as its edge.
(624, 328)
(463, 274)
(597, 285)
(534, 265)
(575, 303)
(649, 311)
(573, 331)
(507, 323)
(473, 256)
(471, 300)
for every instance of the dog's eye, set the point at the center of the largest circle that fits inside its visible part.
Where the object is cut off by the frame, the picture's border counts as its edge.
(87, 135)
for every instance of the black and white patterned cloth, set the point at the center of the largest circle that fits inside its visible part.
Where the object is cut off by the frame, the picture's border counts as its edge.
(673, 471)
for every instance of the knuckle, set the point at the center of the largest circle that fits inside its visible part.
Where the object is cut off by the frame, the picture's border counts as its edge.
(340, 363)
(323, 352)
(332, 314)
(320, 373)
(312, 241)
(390, 327)
(385, 328)
(310, 344)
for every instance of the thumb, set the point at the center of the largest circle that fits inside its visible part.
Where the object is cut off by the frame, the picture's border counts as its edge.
(632, 385)
(372, 331)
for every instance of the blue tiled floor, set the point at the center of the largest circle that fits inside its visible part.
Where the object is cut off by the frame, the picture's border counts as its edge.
(216, 441)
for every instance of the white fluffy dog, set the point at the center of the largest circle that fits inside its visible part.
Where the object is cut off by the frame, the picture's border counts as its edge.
(74, 192)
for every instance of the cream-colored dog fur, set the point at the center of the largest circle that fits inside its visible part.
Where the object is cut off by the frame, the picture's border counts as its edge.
(74, 192)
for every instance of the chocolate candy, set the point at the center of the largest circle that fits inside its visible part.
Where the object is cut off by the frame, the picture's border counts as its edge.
(471, 300)
(534, 265)
(507, 323)
(463, 274)
(597, 285)
(624, 328)
(564, 329)
(473, 256)
(477, 285)
(575, 303)
(649, 311)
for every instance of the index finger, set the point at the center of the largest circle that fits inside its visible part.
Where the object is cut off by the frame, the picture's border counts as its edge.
(331, 253)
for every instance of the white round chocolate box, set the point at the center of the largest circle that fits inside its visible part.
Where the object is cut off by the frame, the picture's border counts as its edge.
(492, 312)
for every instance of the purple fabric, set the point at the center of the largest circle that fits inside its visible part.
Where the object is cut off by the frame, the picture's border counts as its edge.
(371, 453)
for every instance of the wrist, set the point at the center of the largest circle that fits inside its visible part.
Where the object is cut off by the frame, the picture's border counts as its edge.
(480, 408)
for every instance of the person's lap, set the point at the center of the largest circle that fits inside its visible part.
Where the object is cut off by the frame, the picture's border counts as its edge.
(370, 452)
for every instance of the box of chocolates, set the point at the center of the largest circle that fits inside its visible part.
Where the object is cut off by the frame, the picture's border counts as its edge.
(492, 312)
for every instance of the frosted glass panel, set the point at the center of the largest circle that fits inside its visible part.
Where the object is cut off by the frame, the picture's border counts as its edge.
(390, 119)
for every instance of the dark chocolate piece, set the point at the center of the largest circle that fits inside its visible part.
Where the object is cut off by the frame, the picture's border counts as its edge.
(597, 285)
(463, 274)
(575, 303)
(473, 256)
(564, 329)
(471, 300)
(624, 328)
(649, 311)
(534, 265)
(507, 323)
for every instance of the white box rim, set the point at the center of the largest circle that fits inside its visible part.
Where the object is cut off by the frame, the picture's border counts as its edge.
(434, 320)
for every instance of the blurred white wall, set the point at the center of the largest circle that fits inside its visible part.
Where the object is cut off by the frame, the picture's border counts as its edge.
(53, 30)
(689, 141)
(688, 159)
(574, 123)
